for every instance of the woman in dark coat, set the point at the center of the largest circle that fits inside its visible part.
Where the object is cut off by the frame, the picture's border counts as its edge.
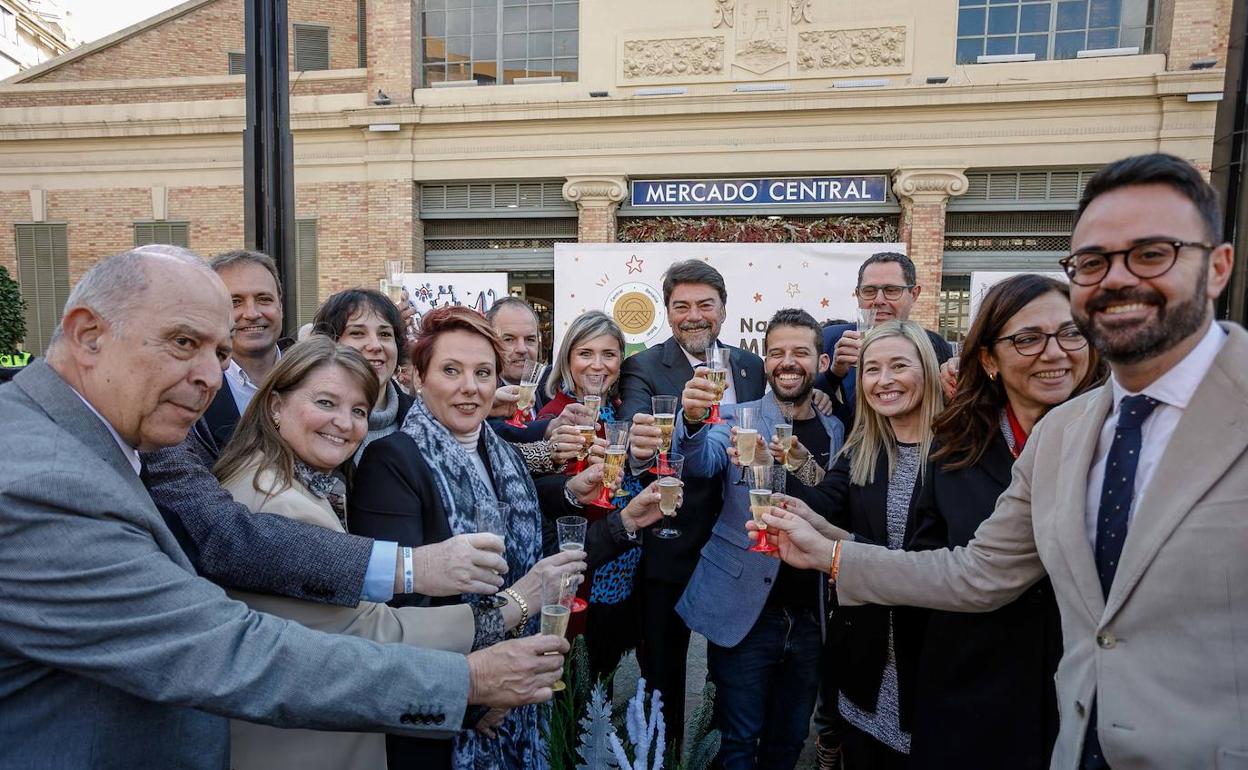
(984, 693)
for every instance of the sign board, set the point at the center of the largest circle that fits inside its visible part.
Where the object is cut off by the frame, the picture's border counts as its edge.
(479, 291)
(625, 280)
(787, 191)
(983, 280)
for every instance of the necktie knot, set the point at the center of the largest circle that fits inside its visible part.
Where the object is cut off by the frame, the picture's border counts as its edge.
(1134, 410)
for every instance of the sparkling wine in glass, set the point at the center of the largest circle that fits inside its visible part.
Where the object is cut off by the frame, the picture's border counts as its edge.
(528, 391)
(782, 434)
(571, 531)
(664, 410)
(717, 359)
(747, 439)
(617, 455)
(669, 495)
(558, 590)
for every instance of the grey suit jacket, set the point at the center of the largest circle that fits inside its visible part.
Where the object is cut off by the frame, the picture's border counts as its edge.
(1166, 654)
(113, 654)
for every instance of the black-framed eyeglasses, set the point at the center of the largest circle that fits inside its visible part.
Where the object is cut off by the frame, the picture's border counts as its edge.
(1150, 259)
(1030, 343)
(891, 291)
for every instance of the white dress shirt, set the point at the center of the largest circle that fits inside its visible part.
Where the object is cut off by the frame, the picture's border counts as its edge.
(1174, 390)
(242, 387)
(730, 392)
(132, 454)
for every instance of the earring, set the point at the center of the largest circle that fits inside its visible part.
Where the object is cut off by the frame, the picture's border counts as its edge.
(992, 376)
(277, 422)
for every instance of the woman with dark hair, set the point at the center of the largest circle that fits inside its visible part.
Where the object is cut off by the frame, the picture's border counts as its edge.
(369, 322)
(985, 693)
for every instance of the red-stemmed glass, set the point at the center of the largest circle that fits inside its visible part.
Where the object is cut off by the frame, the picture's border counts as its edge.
(528, 394)
(717, 372)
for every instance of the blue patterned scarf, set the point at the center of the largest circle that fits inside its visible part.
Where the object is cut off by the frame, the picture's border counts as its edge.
(613, 581)
(461, 489)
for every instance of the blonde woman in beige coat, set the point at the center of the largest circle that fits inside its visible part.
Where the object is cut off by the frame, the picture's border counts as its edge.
(303, 424)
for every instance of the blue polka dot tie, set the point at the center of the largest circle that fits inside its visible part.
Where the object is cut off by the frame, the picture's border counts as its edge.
(1117, 492)
(1118, 488)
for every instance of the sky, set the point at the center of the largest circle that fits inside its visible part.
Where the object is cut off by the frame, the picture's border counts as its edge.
(93, 19)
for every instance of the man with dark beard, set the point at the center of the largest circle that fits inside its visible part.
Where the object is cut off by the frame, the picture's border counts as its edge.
(695, 296)
(1131, 498)
(763, 621)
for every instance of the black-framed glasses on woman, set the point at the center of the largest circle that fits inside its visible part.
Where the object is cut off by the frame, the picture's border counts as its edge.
(890, 291)
(1033, 343)
(1150, 259)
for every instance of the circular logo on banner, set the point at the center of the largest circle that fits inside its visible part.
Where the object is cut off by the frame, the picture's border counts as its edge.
(638, 309)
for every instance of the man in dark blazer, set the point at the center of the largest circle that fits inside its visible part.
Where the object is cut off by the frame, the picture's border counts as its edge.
(887, 284)
(695, 297)
(113, 653)
(518, 329)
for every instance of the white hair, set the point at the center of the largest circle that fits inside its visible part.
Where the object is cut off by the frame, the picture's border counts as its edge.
(116, 286)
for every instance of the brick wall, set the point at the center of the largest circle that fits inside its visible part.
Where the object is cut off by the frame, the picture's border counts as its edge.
(391, 52)
(14, 208)
(596, 223)
(1188, 30)
(196, 43)
(170, 93)
(923, 232)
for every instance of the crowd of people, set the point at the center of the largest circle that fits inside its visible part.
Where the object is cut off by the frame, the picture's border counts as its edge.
(225, 548)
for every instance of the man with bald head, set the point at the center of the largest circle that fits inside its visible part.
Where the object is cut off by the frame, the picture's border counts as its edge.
(113, 654)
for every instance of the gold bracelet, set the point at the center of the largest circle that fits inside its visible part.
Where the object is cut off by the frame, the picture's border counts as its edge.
(524, 609)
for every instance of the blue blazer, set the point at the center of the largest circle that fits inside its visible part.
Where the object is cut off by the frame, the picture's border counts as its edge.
(730, 584)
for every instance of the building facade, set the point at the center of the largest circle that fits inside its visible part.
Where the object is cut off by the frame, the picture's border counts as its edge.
(474, 134)
(31, 32)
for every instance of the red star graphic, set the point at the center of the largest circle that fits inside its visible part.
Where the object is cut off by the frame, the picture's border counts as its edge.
(635, 265)
(758, 297)
(823, 302)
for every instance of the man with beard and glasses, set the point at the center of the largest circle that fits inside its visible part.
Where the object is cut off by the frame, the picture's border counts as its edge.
(695, 296)
(1131, 497)
(763, 620)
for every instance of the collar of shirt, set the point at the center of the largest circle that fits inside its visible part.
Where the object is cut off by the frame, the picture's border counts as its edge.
(131, 454)
(1176, 387)
(241, 384)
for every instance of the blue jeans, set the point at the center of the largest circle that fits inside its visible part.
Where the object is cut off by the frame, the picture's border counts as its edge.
(765, 689)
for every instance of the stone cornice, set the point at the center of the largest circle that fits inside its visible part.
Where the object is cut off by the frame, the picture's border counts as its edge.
(595, 189)
(929, 184)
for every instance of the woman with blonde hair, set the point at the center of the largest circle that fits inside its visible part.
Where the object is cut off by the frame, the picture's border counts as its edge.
(871, 491)
(286, 456)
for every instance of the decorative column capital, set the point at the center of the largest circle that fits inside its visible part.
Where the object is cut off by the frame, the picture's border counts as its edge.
(596, 189)
(929, 184)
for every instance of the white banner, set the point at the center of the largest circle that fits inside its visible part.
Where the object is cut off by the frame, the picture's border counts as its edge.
(625, 280)
(983, 280)
(479, 291)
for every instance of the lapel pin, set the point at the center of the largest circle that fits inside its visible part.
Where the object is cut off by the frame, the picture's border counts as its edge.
(742, 372)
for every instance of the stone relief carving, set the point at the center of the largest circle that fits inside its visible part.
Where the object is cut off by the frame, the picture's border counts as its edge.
(723, 13)
(676, 57)
(800, 10)
(762, 36)
(850, 49)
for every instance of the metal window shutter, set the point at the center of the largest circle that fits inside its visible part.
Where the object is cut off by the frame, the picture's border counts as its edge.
(362, 33)
(489, 260)
(311, 47)
(43, 275)
(236, 63)
(171, 233)
(306, 289)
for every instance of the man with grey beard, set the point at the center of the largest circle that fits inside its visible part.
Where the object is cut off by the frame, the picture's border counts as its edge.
(696, 297)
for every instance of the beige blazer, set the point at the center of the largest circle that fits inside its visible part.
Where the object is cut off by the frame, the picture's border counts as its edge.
(257, 747)
(1166, 655)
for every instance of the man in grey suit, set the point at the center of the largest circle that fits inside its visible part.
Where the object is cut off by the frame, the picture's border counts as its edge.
(113, 654)
(1132, 497)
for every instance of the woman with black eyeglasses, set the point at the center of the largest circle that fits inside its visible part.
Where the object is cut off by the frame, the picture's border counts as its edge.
(985, 694)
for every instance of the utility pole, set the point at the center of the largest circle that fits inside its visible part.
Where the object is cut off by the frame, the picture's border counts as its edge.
(268, 149)
(1230, 163)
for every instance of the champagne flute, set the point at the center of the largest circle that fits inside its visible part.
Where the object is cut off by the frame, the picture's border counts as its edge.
(613, 467)
(571, 530)
(664, 410)
(760, 498)
(782, 434)
(588, 433)
(717, 362)
(593, 394)
(528, 393)
(492, 517)
(866, 319)
(747, 439)
(558, 591)
(669, 493)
